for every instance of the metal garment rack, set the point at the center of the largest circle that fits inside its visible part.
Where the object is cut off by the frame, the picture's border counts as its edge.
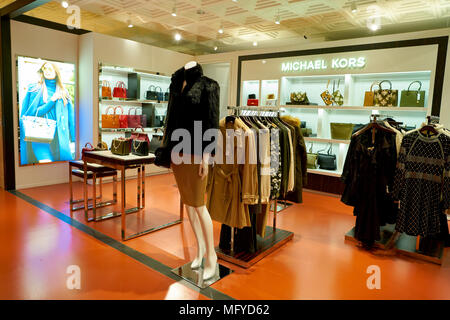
(278, 236)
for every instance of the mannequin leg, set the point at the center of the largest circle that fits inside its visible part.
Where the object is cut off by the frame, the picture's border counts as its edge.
(197, 228)
(209, 269)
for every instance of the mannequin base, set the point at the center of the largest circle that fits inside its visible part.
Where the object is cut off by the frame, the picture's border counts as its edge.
(406, 246)
(271, 242)
(195, 276)
(386, 234)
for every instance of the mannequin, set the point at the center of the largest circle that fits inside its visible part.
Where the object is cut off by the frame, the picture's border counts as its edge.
(200, 219)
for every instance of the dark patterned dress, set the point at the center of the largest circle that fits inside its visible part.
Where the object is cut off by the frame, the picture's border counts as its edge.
(422, 184)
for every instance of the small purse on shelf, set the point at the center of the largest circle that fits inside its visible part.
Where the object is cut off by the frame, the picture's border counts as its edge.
(326, 96)
(327, 161)
(370, 95)
(140, 148)
(123, 118)
(338, 98)
(385, 97)
(121, 146)
(413, 98)
(311, 159)
(143, 118)
(252, 101)
(271, 100)
(106, 89)
(120, 90)
(341, 131)
(167, 94)
(110, 120)
(134, 120)
(151, 93)
(299, 98)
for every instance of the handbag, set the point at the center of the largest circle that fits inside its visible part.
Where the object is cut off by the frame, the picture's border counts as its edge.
(311, 159)
(38, 129)
(110, 120)
(155, 143)
(134, 120)
(151, 93)
(142, 136)
(413, 98)
(327, 161)
(341, 131)
(160, 94)
(370, 95)
(271, 100)
(253, 102)
(385, 97)
(120, 90)
(302, 124)
(106, 89)
(167, 94)
(143, 116)
(139, 148)
(121, 146)
(299, 98)
(123, 118)
(338, 98)
(306, 132)
(326, 96)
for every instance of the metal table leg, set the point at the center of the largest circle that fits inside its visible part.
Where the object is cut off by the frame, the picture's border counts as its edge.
(123, 198)
(143, 187)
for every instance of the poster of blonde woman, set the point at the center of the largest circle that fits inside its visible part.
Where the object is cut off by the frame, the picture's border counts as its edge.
(46, 91)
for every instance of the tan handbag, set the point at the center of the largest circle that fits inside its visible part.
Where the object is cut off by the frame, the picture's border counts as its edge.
(369, 95)
(326, 96)
(385, 97)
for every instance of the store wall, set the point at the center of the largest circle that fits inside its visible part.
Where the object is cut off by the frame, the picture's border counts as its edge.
(39, 42)
(221, 73)
(2, 175)
(96, 48)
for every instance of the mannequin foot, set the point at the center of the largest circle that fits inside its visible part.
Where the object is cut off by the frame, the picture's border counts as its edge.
(197, 263)
(210, 267)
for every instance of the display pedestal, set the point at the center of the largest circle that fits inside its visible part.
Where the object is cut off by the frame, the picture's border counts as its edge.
(386, 234)
(195, 276)
(271, 242)
(406, 245)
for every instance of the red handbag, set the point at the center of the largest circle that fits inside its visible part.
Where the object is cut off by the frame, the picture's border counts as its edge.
(135, 135)
(120, 90)
(134, 120)
(87, 148)
(143, 119)
(253, 102)
(123, 118)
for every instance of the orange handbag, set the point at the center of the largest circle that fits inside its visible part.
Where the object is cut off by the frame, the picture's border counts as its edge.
(106, 89)
(110, 120)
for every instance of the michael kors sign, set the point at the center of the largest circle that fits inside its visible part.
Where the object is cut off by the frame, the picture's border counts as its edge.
(321, 64)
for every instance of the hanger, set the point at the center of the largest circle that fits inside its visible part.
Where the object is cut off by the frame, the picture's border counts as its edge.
(429, 129)
(374, 125)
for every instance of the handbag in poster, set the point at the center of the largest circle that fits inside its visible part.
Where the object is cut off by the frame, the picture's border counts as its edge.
(38, 129)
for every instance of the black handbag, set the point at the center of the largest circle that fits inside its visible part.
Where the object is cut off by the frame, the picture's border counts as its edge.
(166, 94)
(163, 157)
(303, 124)
(140, 148)
(153, 93)
(327, 161)
(155, 143)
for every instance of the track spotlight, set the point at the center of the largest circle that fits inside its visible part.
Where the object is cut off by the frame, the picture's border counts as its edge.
(65, 4)
(353, 7)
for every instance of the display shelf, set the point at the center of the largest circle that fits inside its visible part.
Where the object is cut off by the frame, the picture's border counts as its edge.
(325, 140)
(357, 108)
(326, 172)
(132, 101)
(120, 130)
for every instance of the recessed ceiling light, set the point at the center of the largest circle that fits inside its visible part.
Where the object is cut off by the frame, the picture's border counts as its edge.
(255, 43)
(215, 48)
(130, 25)
(235, 0)
(65, 4)
(374, 27)
(277, 18)
(277, 21)
(177, 36)
(353, 7)
(174, 14)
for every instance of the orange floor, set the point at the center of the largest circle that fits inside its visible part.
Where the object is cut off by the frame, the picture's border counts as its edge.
(317, 264)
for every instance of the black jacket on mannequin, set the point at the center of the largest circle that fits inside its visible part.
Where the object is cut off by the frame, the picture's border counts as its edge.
(198, 101)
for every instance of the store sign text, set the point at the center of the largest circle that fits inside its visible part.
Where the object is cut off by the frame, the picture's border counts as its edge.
(320, 64)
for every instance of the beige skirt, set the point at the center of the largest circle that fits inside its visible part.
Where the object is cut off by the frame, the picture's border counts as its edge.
(191, 186)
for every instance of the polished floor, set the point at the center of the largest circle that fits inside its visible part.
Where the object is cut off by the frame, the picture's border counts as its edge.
(38, 246)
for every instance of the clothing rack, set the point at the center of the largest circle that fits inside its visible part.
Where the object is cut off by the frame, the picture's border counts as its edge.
(278, 237)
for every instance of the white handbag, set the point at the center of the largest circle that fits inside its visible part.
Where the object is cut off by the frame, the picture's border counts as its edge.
(39, 129)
